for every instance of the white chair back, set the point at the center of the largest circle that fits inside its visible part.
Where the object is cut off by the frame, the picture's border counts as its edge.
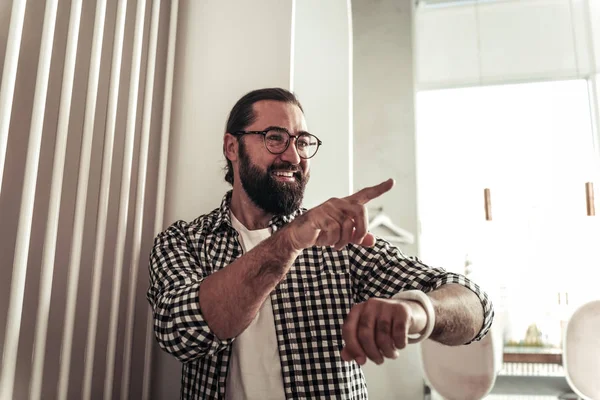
(581, 351)
(461, 372)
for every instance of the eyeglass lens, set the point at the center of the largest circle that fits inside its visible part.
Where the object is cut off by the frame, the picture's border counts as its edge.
(277, 142)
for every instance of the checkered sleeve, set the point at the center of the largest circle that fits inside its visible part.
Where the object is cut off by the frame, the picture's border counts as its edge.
(383, 271)
(175, 279)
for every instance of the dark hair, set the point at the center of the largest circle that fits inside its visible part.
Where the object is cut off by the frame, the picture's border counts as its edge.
(242, 114)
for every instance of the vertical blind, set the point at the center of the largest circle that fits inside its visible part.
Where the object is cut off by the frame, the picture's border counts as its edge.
(85, 101)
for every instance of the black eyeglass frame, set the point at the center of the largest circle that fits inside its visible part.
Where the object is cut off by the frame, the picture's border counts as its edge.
(278, 128)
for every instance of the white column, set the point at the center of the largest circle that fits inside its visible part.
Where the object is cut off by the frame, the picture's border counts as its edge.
(9, 76)
(51, 236)
(384, 139)
(162, 180)
(80, 203)
(102, 215)
(140, 197)
(17, 287)
(322, 80)
(130, 133)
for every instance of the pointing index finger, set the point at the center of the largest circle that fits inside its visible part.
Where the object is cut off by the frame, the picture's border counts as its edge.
(367, 194)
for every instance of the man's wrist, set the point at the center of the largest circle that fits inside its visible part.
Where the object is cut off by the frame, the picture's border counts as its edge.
(280, 254)
(285, 241)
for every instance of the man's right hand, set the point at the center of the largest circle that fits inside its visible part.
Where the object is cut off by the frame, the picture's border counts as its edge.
(337, 222)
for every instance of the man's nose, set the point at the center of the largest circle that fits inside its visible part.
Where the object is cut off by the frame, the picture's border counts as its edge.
(291, 153)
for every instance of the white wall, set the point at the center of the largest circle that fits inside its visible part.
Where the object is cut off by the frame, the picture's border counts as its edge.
(384, 147)
(223, 51)
(594, 32)
(227, 48)
(505, 41)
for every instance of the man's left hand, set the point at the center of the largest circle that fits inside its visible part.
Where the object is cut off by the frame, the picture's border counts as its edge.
(378, 327)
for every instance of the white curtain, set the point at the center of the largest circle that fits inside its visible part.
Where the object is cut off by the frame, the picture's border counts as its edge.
(84, 115)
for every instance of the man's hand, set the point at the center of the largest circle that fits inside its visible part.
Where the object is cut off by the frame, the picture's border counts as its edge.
(378, 327)
(337, 222)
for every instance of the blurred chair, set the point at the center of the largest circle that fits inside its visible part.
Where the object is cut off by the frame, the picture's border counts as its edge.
(581, 351)
(463, 372)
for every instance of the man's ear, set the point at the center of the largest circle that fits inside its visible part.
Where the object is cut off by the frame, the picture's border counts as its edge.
(230, 147)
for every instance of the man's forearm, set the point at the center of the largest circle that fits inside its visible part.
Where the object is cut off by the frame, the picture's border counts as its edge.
(458, 314)
(230, 298)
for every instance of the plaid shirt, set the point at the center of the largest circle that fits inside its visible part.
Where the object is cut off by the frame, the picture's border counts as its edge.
(309, 305)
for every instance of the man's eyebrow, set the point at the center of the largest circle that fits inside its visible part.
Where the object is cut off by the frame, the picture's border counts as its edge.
(280, 128)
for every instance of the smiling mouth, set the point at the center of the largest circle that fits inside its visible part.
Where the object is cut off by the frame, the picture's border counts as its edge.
(287, 175)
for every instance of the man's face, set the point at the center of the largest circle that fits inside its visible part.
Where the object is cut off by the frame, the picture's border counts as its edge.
(265, 176)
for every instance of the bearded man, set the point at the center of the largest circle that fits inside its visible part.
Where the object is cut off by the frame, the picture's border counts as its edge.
(263, 299)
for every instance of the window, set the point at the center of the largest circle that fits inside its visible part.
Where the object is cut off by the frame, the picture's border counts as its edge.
(532, 146)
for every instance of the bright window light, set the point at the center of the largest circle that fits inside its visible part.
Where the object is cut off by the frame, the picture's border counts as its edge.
(532, 146)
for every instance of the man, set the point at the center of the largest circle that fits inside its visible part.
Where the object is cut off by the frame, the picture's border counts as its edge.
(261, 299)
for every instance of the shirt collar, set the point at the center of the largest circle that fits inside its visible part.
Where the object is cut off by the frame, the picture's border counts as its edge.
(223, 220)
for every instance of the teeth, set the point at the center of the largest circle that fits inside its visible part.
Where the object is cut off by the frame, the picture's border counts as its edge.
(286, 174)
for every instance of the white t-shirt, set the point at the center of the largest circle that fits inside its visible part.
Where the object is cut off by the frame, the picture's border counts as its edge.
(254, 366)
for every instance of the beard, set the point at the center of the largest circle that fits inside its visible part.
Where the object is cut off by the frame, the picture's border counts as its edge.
(279, 198)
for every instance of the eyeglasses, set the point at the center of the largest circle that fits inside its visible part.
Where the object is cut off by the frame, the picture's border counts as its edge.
(277, 140)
